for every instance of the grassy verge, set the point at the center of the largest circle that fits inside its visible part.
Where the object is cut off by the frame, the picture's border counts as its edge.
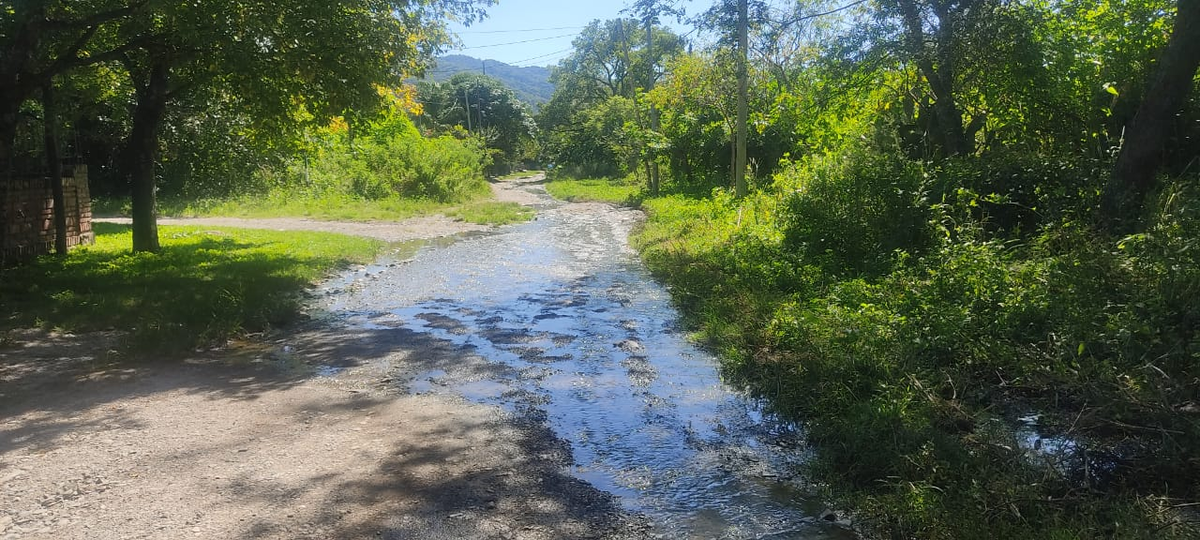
(492, 213)
(910, 376)
(205, 285)
(596, 190)
(330, 208)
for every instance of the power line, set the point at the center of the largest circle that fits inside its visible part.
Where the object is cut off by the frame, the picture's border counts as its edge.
(539, 57)
(523, 30)
(516, 42)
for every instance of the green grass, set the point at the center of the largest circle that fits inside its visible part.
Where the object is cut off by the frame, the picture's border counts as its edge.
(328, 208)
(492, 213)
(481, 211)
(206, 284)
(906, 380)
(596, 190)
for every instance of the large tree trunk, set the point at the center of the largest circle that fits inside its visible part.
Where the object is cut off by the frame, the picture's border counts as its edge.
(141, 154)
(54, 167)
(950, 134)
(1142, 152)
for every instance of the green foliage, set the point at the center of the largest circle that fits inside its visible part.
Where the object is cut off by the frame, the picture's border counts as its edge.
(391, 160)
(284, 202)
(626, 191)
(851, 214)
(910, 377)
(596, 124)
(492, 213)
(600, 140)
(206, 285)
(502, 121)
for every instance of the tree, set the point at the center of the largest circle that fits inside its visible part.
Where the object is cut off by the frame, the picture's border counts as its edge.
(935, 58)
(616, 58)
(1141, 154)
(327, 58)
(649, 11)
(41, 39)
(485, 105)
(739, 153)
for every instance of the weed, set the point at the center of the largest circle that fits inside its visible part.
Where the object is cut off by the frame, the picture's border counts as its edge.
(492, 213)
(908, 353)
(204, 286)
(622, 192)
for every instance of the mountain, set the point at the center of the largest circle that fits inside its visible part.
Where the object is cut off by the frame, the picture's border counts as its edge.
(531, 84)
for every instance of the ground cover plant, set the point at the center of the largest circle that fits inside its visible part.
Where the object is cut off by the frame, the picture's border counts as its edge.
(972, 381)
(207, 284)
(615, 191)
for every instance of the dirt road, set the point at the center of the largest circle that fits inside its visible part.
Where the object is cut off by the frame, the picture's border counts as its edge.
(532, 382)
(265, 440)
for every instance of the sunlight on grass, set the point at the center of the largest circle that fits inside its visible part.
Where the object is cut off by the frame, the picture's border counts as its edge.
(492, 213)
(596, 190)
(330, 208)
(207, 283)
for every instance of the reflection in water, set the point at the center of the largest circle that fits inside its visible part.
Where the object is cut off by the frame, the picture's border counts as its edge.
(590, 344)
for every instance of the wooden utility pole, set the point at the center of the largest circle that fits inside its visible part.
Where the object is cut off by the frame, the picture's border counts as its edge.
(739, 152)
(654, 120)
(467, 102)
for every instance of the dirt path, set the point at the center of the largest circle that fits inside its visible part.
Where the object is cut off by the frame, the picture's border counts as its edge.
(417, 228)
(311, 434)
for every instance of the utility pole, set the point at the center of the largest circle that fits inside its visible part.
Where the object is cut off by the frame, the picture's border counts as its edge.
(654, 120)
(739, 152)
(467, 101)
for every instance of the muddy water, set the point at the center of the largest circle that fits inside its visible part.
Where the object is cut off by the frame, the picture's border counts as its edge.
(582, 338)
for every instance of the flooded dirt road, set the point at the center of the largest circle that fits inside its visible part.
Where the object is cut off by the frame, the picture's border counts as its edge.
(557, 322)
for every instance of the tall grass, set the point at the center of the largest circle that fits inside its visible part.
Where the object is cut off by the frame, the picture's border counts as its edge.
(619, 191)
(909, 320)
(206, 285)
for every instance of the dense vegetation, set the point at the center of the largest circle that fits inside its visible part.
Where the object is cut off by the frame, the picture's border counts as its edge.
(283, 100)
(965, 257)
(945, 266)
(207, 284)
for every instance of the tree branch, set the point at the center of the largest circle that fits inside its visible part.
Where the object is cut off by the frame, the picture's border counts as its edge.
(94, 20)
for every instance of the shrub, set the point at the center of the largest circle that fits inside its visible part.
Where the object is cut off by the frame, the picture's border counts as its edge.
(850, 214)
(395, 160)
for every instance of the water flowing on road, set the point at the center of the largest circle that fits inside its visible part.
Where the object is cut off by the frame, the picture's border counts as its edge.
(581, 338)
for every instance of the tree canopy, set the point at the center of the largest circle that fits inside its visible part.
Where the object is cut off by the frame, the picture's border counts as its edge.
(278, 65)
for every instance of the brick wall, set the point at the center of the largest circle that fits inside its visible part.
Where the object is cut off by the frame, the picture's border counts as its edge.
(27, 215)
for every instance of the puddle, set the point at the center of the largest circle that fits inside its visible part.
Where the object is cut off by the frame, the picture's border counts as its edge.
(584, 338)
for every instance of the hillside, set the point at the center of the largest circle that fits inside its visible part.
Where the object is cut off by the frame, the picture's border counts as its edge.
(531, 84)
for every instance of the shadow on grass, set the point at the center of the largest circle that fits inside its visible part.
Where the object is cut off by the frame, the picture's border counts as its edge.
(204, 285)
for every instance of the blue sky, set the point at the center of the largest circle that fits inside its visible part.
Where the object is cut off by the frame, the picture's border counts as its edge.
(545, 28)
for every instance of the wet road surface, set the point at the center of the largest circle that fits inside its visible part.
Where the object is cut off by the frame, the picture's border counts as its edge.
(575, 334)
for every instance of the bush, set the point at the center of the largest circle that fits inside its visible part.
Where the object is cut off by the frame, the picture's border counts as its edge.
(1015, 194)
(395, 160)
(850, 214)
(909, 354)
